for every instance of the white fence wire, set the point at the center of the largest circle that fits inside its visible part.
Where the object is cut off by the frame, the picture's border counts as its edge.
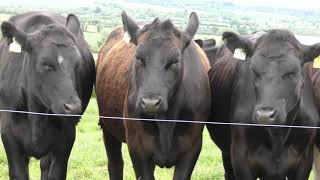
(164, 120)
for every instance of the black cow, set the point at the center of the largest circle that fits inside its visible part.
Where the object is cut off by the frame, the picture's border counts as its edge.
(210, 48)
(207, 43)
(54, 73)
(269, 87)
(162, 74)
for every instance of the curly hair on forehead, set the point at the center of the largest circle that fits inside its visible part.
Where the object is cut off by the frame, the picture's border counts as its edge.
(279, 35)
(161, 29)
(57, 34)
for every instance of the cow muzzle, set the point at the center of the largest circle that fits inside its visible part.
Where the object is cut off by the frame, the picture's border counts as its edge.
(73, 106)
(150, 105)
(266, 115)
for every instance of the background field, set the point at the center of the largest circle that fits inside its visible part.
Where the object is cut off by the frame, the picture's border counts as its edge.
(99, 17)
(88, 158)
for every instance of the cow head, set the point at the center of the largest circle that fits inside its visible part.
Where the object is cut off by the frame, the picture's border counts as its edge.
(158, 65)
(276, 65)
(157, 72)
(53, 60)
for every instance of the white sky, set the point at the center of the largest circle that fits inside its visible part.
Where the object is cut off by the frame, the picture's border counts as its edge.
(296, 4)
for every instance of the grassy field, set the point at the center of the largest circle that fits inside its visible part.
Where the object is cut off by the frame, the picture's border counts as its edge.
(94, 40)
(88, 159)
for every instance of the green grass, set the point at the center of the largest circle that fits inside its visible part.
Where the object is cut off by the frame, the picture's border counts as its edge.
(94, 40)
(88, 159)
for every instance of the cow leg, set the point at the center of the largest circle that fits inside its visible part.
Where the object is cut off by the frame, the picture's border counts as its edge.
(113, 150)
(16, 158)
(242, 171)
(60, 157)
(220, 135)
(273, 178)
(240, 165)
(143, 166)
(185, 164)
(304, 168)
(229, 174)
(27, 161)
(45, 164)
(316, 163)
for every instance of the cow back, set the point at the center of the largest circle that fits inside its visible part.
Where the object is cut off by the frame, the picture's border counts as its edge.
(115, 59)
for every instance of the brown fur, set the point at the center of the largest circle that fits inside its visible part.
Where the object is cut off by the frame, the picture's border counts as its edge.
(204, 58)
(113, 38)
(114, 62)
(112, 82)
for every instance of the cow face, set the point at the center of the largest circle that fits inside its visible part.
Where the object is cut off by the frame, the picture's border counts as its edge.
(158, 65)
(276, 66)
(51, 67)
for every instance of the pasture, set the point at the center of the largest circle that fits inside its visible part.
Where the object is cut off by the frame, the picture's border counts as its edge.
(88, 159)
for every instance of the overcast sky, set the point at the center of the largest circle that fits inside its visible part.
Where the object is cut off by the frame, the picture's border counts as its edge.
(48, 3)
(296, 4)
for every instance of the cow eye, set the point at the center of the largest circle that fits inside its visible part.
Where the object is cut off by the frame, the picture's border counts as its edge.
(256, 73)
(140, 61)
(48, 67)
(287, 75)
(177, 60)
(174, 61)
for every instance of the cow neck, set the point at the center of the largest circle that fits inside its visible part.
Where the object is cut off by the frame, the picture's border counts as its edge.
(278, 137)
(37, 122)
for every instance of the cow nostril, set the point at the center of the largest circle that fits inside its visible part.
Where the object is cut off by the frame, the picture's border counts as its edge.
(143, 101)
(157, 102)
(273, 114)
(71, 108)
(67, 107)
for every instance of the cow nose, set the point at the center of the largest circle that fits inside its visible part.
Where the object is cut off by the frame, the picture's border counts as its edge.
(266, 115)
(150, 105)
(72, 108)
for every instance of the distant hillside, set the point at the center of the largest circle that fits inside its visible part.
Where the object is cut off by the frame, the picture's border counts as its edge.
(63, 4)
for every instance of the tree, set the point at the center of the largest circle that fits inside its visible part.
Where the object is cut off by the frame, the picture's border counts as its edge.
(97, 10)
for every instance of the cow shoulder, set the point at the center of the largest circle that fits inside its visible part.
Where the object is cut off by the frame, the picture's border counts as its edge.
(243, 94)
(204, 58)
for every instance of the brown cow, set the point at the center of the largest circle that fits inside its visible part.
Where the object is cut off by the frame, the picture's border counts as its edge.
(161, 74)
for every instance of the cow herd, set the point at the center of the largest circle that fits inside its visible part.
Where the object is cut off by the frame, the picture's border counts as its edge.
(264, 84)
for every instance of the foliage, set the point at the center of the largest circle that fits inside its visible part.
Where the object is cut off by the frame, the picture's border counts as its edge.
(215, 16)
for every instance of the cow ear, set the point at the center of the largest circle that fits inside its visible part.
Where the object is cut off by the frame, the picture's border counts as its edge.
(199, 42)
(233, 41)
(311, 52)
(130, 26)
(212, 42)
(73, 24)
(191, 29)
(10, 31)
